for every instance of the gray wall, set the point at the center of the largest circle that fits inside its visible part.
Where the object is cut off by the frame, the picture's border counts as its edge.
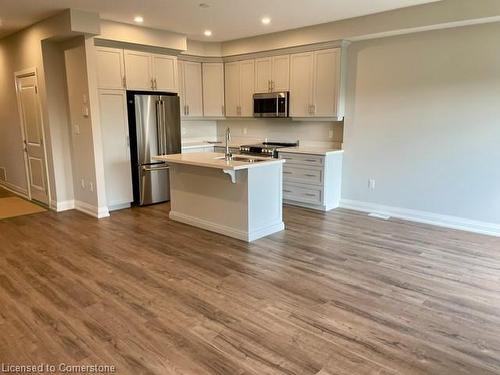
(423, 120)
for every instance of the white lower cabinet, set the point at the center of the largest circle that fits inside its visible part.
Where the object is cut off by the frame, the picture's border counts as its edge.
(312, 181)
(116, 153)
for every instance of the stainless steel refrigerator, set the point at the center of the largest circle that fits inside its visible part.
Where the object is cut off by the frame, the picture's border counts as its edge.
(155, 129)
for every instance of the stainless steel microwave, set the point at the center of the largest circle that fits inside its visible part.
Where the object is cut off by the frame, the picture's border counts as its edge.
(272, 104)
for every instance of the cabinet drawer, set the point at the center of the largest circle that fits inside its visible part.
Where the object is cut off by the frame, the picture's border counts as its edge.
(306, 175)
(303, 194)
(302, 159)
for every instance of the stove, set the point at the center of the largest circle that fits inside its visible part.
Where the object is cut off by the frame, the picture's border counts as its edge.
(266, 148)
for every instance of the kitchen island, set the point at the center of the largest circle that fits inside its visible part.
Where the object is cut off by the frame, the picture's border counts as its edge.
(240, 198)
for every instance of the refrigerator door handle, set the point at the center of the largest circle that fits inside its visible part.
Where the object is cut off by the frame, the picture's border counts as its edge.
(159, 131)
(164, 128)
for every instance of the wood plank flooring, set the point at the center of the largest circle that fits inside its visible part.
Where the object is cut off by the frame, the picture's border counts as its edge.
(336, 293)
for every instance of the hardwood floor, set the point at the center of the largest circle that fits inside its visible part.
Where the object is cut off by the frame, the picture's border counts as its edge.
(336, 293)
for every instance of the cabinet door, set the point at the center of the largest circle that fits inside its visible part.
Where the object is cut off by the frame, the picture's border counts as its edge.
(232, 88)
(116, 153)
(110, 69)
(280, 80)
(247, 72)
(326, 82)
(165, 73)
(213, 89)
(263, 74)
(192, 89)
(138, 70)
(301, 83)
(182, 88)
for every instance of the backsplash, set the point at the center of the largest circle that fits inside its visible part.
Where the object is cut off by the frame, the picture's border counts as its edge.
(196, 130)
(307, 132)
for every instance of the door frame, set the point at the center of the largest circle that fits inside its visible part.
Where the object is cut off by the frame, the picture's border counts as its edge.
(21, 74)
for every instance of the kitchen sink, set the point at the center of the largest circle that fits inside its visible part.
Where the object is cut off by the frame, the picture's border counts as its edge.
(242, 158)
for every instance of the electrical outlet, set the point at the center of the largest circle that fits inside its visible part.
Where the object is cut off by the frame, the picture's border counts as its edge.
(330, 133)
(91, 186)
(371, 184)
(82, 182)
(76, 129)
(245, 130)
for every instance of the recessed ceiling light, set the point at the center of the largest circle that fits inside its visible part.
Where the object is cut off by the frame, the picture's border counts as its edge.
(266, 20)
(204, 5)
(138, 19)
(207, 33)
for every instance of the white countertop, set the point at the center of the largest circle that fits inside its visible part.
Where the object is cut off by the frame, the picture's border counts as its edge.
(311, 150)
(215, 160)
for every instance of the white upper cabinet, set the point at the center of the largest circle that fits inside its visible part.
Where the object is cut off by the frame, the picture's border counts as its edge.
(263, 74)
(232, 88)
(165, 73)
(138, 70)
(213, 89)
(280, 80)
(272, 74)
(326, 83)
(301, 82)
(146, 71)
(315, 84)
(110, 68)
(190, 78)
(247, 71)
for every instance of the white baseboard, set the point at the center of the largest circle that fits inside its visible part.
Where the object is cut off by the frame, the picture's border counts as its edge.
(447, 221)
(120, 206)
(98, 212)
(225, 230)
(63, 205)
(14, 189)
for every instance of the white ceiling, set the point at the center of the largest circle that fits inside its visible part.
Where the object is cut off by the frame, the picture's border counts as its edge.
(228, 19)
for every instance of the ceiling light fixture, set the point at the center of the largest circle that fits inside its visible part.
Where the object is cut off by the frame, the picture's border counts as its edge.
(138, 19)
(266, 20)
(207, 33)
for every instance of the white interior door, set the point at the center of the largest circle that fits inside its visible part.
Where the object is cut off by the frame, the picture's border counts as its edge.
(34, 148)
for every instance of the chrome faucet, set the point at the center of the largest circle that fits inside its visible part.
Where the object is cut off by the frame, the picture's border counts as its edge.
(227, 155)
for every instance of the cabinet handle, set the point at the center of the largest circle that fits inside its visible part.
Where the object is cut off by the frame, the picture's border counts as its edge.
(284, 172)
(310, 194)
(268, 85)
(222, 109)
(152, 84)
(310, 175)
(156, 85)
(187, 109)
(124, 82)
(311, 160)
(313, 107)
(272, 85)
(287, 191)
